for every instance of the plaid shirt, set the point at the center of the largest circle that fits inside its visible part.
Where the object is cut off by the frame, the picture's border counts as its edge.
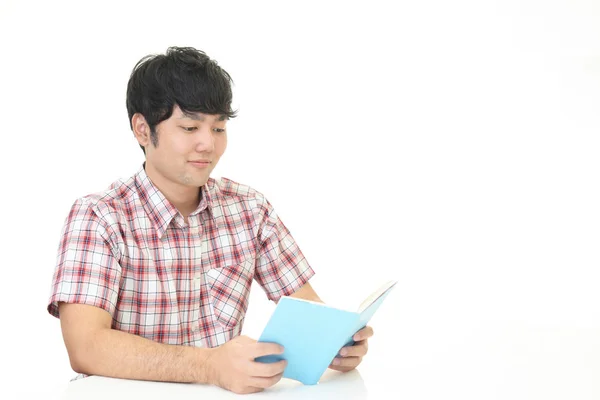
(129, 251)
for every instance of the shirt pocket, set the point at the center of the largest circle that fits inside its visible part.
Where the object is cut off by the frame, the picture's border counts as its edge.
(229, 289)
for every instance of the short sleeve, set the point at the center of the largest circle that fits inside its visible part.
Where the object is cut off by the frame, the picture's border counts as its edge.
(87, 271)
(281, 268)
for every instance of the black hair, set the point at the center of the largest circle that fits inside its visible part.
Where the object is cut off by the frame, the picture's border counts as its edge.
(183, 76)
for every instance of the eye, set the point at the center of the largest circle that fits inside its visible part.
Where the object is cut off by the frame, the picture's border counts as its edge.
(219, 130)
(189, 128)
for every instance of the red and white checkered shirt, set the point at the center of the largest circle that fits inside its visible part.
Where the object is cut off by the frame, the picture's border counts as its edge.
(128, 251)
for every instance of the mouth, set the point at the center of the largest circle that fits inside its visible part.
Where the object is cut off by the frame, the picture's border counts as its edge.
(200, 163)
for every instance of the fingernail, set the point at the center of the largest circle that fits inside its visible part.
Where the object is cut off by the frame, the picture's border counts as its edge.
(343, 352)
(336, 362)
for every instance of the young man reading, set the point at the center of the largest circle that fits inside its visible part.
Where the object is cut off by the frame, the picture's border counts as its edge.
(153, 274)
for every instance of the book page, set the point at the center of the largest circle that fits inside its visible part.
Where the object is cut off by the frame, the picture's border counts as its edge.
(330, 305)
(375, 295)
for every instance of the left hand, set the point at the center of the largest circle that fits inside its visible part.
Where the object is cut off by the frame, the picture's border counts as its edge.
(350, 357)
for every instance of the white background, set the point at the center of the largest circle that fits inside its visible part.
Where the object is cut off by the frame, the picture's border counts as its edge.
(452, 145)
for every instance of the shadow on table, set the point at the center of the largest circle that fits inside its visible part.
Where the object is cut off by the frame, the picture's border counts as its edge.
(333, 385)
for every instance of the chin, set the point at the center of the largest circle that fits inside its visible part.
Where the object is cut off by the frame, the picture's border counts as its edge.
(195, 181)
(200, 182)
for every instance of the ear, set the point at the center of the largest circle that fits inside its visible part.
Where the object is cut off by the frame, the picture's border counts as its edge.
(141, 129)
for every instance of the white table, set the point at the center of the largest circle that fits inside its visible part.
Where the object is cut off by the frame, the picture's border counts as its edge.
(332, 385)
(516, 362)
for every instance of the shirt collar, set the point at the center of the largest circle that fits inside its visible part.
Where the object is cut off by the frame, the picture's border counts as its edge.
(160, 210)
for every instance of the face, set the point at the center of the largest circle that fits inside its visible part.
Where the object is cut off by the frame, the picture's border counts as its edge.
(189, 147)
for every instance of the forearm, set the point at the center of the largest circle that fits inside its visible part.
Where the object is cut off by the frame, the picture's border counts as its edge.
(117, 354)
(306, 292)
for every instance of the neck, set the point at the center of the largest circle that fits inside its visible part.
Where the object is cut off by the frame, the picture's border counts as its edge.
(184, 198)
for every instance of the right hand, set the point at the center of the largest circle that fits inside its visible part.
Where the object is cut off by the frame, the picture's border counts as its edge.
(232, 365)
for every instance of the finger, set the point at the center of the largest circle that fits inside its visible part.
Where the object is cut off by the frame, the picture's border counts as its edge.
(358, 350)
(349, 362)
(364, 333)
(265, 349)
(267, 370)
(263, 383)
(341, 369)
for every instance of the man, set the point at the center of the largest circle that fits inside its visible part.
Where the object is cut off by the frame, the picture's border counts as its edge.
(153, 275)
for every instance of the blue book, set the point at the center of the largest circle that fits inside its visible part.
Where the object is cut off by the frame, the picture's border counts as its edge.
(313, 333)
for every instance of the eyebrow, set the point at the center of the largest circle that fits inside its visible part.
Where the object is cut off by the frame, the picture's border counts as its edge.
(197, 117)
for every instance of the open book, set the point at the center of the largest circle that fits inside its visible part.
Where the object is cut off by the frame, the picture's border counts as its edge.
(313, 333)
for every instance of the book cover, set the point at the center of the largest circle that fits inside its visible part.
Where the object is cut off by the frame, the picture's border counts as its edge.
(312, 333)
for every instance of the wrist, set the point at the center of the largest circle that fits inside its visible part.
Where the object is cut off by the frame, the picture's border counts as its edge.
(207, 372)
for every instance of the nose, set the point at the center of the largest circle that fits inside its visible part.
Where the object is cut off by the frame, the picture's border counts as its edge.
(205, 140)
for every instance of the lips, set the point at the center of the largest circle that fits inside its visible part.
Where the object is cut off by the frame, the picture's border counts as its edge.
(200, 163)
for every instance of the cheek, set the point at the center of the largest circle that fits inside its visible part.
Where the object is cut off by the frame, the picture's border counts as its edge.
(179, 145)
(220, 145)
(170, 151)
